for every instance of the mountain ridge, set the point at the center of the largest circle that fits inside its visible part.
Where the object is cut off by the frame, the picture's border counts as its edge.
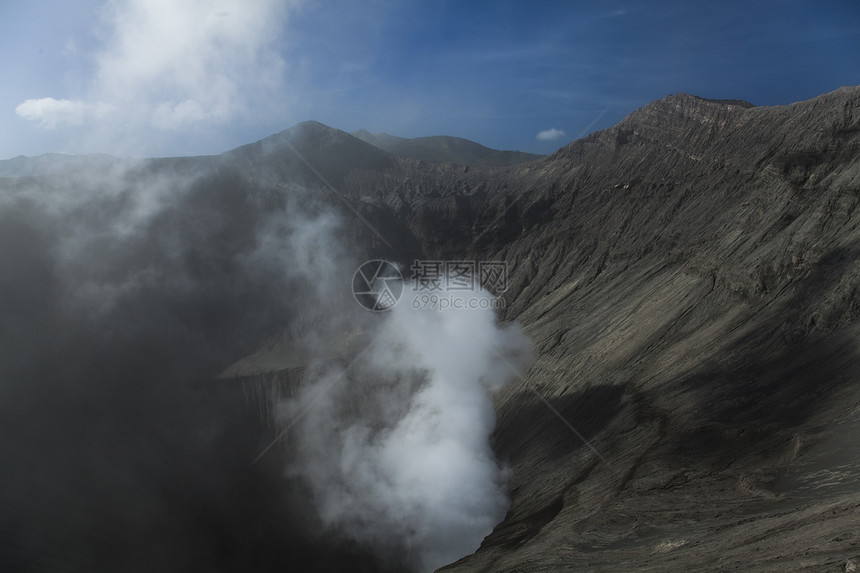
(690, 279)
(442, 148)
(445, 148)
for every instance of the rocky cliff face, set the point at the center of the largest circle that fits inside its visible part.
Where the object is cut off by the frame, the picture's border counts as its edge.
(691, 278)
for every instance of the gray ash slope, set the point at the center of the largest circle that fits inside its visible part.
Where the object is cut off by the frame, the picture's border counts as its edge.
(690, 277)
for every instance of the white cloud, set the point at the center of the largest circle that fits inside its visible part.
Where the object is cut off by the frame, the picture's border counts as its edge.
(49, 113)
(550, 134)
(167, 65)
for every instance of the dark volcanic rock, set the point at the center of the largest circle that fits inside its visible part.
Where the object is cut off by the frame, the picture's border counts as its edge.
(693, 291)
(691, 278)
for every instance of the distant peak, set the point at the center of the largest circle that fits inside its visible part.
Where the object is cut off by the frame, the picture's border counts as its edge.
(309, 128)
(311, 125)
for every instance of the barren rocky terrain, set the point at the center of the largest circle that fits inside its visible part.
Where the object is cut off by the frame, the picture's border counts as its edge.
(690, 279)
(695, 303)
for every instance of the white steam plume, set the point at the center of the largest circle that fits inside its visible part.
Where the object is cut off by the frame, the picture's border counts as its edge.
(164, 68)
(395, 448)
(129, 285)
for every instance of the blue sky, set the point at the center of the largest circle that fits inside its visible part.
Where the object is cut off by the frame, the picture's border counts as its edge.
(159, 77)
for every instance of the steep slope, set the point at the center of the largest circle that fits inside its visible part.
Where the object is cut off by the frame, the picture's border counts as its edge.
(691, 278)
(445, 148)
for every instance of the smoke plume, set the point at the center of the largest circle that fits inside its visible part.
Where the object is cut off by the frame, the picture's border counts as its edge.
(395, 447)
(127, 287)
